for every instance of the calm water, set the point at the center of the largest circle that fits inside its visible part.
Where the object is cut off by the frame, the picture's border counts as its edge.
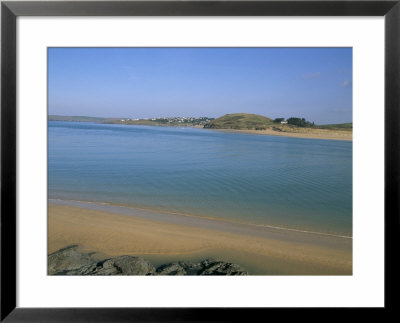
(290, 182)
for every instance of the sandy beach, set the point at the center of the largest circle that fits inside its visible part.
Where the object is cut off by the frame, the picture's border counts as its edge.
(162, 237)
(299, 133)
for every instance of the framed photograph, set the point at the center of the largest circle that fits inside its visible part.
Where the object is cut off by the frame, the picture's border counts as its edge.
(182, 160)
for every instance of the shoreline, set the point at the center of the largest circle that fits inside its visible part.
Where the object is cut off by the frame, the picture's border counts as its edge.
(165, 237)
(318, 134)
(322, 134)
(157, 214)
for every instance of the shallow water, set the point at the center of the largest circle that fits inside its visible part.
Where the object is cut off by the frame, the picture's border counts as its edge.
(291, 182)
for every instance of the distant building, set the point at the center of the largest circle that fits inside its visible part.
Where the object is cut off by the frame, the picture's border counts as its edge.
(283, 122)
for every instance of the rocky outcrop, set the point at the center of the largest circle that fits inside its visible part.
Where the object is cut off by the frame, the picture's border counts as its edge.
(68, 258)
(123, 265)
(206, 267)
(72, 261)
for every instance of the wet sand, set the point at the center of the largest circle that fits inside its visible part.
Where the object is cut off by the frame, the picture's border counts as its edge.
(165, 237)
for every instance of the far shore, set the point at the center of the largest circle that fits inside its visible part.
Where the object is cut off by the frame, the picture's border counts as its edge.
(163, 237)
(309, 133)
(300, 133)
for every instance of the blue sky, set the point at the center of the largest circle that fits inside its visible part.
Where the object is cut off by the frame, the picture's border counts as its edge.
(312, 83)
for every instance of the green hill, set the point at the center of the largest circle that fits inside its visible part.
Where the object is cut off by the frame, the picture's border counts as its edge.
(340, 126)
(240, 121)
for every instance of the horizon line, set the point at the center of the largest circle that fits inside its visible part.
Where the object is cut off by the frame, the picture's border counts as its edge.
(86, 116)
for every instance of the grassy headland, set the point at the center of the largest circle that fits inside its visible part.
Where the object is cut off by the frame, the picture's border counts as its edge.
(341, 126)
(292, 127)
(240, 121)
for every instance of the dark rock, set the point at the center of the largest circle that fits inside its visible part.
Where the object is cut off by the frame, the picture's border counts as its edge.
(176, 268)
(71, 261)
(179, 268)
(68, 258)
(123, 265)
(212, 267)
(206, 267)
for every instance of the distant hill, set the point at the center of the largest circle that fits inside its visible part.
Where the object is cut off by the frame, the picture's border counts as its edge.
(240, 121)
(245, 121)
(77, 118)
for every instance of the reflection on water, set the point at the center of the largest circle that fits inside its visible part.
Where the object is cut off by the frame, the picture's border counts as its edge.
(291, 182)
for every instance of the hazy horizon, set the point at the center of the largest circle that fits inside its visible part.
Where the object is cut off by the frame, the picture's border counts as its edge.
(311, 83)
(160, 117)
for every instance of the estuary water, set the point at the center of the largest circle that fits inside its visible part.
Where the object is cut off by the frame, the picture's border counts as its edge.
(295, 183)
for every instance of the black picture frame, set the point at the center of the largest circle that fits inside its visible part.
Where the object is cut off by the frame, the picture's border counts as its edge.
(10, 10)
